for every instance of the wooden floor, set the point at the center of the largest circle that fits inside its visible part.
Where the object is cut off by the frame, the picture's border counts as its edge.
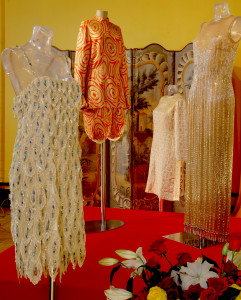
(5, 229)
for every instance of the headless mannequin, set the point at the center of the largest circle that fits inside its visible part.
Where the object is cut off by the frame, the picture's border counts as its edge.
(213, 28)
(165, 106)
(34, 59)
(102, 13)
(221, 11)
(172, 90)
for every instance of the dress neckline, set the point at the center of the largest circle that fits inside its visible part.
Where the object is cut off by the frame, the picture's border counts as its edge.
(100, 19)
(197, 38)
(213, 22)
(46, 79)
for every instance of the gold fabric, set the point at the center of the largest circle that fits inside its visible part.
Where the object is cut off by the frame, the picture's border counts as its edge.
(210, 133)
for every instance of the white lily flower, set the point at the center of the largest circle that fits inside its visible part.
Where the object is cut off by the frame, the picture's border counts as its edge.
(127, 254)
(225, 249)
(236, 258)
(174, 275)
(108, 261)
(195, 273)
(117, 294)
(136, 263)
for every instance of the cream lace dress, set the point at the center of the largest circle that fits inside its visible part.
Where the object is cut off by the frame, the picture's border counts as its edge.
(211, 130)
(45, 180)
(168, 152)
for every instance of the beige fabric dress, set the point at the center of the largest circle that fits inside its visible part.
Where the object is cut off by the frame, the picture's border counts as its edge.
(168, 152)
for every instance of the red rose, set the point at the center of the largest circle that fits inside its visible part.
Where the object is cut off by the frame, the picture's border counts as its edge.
(230, 268)
(172, 294)
(142, 295)
(234, 245)
(167, 283)
(193, 292)
(158, 247)
(153, 262)
(183, 258)
(219, 284)
(208, 294)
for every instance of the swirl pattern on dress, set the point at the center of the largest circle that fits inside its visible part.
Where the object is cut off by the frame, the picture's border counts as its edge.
(45, 180)
(101, 70)
(103, 122)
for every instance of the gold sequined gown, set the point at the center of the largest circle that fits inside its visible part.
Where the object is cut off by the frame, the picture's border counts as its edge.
(210, 133)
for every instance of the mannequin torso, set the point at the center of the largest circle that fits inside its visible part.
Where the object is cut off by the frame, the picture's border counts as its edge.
(34, 59)
(167, 103)
(222, 22)
(47, 107)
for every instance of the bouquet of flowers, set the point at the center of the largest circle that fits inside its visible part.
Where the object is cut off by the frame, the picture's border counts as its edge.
(202, 279)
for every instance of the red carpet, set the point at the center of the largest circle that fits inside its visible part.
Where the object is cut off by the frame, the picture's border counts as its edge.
(88, 283)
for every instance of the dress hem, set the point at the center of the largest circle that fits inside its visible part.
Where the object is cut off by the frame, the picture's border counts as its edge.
(204, 234)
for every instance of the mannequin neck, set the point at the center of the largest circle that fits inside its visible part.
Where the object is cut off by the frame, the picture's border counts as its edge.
(42, 38)
(102, 13)
(172, 90)
(221, 11)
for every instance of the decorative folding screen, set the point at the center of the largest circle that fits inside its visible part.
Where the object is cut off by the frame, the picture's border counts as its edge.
(150, 71)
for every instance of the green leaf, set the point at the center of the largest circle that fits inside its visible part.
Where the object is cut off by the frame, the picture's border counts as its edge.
(211, 261)
(144, 277)
(114, 270)
(129, 286)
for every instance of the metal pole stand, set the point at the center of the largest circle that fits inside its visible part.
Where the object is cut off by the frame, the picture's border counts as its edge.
(161, 205)
(103, 224)
(51, 289)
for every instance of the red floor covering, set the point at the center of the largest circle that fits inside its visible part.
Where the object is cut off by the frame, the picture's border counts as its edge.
(88, 283)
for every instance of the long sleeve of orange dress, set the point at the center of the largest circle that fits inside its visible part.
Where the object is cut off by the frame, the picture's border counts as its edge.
(101, 70)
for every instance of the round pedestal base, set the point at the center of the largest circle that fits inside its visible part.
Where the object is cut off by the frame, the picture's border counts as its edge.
(97, 226)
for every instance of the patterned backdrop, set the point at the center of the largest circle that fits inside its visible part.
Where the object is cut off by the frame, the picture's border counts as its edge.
(150, 71)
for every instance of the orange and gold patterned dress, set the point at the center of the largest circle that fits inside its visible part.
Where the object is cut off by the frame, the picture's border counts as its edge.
(101, 70)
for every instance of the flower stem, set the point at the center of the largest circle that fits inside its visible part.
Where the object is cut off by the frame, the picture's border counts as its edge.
(231, 262)
(167, 259)
(141, 259)
(131, 270)
(221, 275)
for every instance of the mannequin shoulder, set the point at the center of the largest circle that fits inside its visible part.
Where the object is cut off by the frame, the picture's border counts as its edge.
(163, 104)
(61, 65)
(61, 61)
(115, 28)
(84, 25)
(61, 58)
(235, 29)
(202, 25)
(8, 57)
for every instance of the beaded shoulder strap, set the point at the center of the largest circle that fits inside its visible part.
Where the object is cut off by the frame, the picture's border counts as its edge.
(28, 60)
(30, 63)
